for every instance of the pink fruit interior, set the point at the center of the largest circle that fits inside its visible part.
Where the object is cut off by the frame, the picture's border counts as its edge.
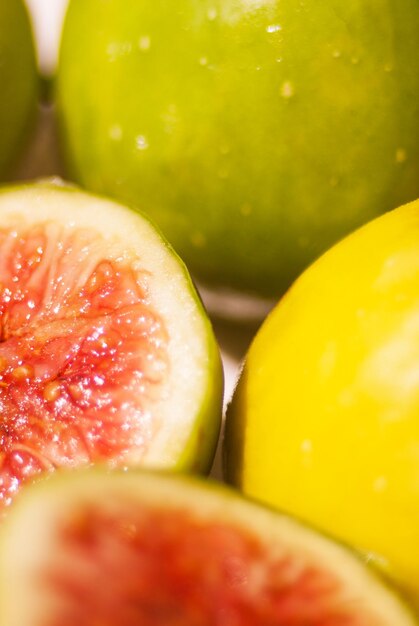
(82, 354)
(155, 567)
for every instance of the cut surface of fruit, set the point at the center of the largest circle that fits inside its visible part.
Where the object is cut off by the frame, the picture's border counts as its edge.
(129, 548)
(105, 351)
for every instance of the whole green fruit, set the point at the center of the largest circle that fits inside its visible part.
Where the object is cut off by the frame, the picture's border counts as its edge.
(255, 132)
(324, 420)
(18, 81)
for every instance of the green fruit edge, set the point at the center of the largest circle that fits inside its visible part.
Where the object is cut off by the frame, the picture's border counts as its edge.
(20, 84)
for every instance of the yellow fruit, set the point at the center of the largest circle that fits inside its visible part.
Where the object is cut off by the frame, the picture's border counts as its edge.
(324, 423)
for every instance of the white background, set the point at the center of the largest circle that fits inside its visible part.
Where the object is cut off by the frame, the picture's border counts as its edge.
(47, 19)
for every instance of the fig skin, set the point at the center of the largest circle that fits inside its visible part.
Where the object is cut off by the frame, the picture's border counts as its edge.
(324, 420)
(19, 83)
(255, 134)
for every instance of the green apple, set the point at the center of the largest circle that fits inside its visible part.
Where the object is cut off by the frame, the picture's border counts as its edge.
(255, 132)
(18, 81)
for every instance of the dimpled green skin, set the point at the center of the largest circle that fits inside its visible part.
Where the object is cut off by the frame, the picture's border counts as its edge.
(18, 82)
(255, 132)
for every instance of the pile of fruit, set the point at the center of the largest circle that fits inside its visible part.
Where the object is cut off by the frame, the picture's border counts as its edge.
(254, 134)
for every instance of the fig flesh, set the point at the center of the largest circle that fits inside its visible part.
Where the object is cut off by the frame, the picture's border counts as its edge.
(129, 548)
(106, 354)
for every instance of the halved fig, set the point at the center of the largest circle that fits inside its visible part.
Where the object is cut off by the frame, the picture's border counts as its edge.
(129, 548)
(106, 354)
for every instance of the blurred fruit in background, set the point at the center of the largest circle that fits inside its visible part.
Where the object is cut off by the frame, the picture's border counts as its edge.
(18, 82)
(255, 133)
(324, 423)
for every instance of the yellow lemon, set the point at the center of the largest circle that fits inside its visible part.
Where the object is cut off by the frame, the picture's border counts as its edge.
(325, 419)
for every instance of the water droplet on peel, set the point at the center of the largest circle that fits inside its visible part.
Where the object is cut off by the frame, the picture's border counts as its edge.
(170, 118)
(354, 60)
(287, 89)
(380, 484)
(212, 14)
(111, 52)
(141, 142)
(117, 49)
(401, 155)
(306, 446)
(198, 239)
(144, 43)
(279, 60)
(336, 54)
(203, 61)
(306, 450)
(115, 132)
(273, 28)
